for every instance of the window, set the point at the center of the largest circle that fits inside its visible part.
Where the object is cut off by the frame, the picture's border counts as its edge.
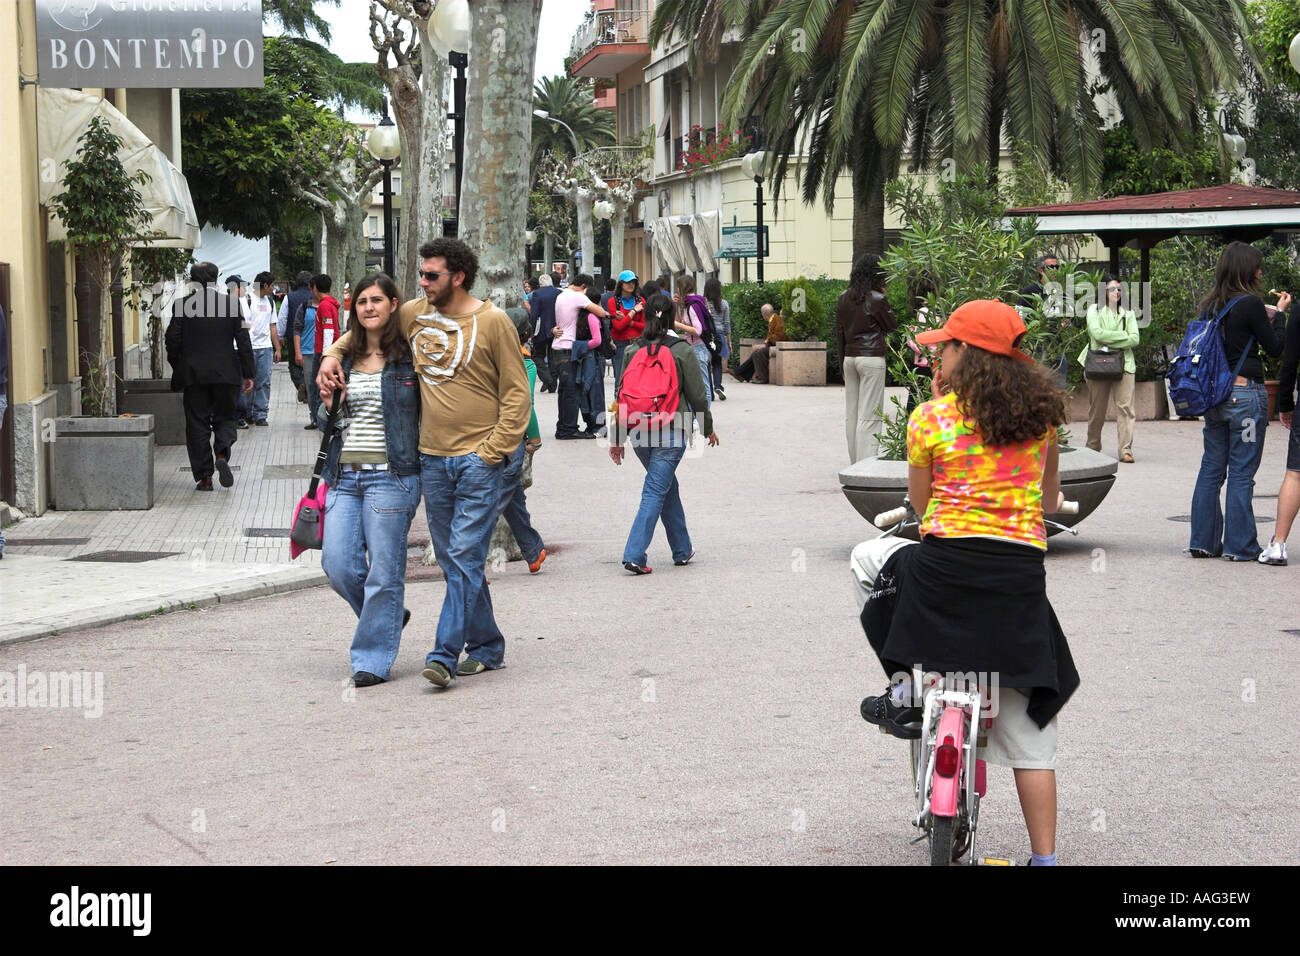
(638, 123)
(374, 225)
(397, 183)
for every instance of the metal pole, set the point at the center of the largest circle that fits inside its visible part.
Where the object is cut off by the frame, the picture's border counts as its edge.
(459, 61)
(388, 216)
(758, 203)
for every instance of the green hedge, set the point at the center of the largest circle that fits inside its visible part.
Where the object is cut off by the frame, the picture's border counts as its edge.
(747, 299)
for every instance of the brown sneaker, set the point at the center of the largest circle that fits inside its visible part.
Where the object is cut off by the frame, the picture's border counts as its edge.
(537, 565)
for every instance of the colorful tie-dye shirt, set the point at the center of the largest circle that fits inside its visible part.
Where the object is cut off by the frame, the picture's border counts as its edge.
(978, 490)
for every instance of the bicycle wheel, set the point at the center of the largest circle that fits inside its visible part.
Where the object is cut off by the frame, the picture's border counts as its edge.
(942, 835)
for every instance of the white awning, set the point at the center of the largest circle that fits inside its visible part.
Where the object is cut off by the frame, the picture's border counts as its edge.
(706, 232)
(686, 244)
(63, 116)
(667, 62)
(666, 246)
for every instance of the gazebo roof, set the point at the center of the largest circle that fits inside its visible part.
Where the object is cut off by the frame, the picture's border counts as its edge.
(1242, 212)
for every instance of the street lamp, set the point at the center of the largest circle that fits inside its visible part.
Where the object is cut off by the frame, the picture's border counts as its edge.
(752, 165)
(385, 145)
(542, 114)
(449, 33)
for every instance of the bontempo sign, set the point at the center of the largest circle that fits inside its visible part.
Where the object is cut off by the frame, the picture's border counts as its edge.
(149, 43)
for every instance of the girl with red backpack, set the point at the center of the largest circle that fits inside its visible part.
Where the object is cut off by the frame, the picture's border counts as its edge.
(659, 372)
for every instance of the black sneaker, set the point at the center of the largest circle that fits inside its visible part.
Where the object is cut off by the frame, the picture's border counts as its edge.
(1201, 553)
(310, 426)
(366, 679)
(223, 470)
(261, 423)
(242, 423)
(904, 722)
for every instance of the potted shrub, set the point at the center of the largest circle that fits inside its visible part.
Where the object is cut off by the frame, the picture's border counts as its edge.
(802, 359)
(101, 462)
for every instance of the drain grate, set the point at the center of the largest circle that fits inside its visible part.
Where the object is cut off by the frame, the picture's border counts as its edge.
(266, 532)
(286, 472)
(45, 542)
(186, 470)
(125, 557)
(1293, 631)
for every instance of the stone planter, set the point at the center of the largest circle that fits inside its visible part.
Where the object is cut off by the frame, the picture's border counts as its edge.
(874, 485)
(154, 396)
(1150, 403)
(799, 363)
(103, 464)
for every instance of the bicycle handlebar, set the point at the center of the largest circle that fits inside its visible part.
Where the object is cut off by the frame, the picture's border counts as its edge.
(893, 516)
(1068, 508)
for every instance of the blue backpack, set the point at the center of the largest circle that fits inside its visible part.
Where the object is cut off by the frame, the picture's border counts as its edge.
(1199, 377)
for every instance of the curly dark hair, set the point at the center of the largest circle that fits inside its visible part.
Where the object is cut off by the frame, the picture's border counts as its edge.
(394, 344)
(1009, 401)
(458, 256)
(865, 276)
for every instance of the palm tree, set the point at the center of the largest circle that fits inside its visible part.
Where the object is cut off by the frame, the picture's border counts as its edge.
(569, 100)
(855, 82)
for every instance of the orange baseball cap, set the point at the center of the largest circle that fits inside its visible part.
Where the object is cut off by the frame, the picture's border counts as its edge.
(985, 323)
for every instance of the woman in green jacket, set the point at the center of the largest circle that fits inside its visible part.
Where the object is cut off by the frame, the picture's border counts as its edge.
(1115, 328)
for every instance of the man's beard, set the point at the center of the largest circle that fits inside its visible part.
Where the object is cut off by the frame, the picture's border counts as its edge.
(440, 301)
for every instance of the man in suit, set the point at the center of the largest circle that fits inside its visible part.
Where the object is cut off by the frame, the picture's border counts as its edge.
(212, 359)
(542, 309)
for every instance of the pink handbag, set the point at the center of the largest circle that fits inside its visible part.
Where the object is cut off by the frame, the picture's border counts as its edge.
(308, 532)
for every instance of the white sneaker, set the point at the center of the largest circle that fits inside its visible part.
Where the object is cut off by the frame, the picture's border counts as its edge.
(1274, 554)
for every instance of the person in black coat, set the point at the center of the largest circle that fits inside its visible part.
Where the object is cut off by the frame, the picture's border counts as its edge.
(542, 311)
(212, 359)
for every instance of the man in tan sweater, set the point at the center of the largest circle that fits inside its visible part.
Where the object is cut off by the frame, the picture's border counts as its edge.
(474, 410)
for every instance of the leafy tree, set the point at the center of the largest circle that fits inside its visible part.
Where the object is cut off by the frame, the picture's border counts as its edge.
(299, 16)
(1128, 170)
(1274, 136)
(240, 145)
(572, 101)
(102, 211)
(852, 82)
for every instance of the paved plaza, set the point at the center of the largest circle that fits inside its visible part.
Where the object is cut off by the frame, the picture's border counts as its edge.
(706, 714)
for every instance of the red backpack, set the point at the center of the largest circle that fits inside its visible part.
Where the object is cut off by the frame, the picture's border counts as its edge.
(649, 393)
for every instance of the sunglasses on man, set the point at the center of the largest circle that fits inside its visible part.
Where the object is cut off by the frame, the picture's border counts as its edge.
(430, 276)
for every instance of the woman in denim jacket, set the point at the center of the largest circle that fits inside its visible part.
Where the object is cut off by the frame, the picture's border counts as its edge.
(373, 473)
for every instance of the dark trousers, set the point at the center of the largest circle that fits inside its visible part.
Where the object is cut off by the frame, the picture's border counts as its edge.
(310, 366)
(209, 425)
(542, 358)
(715, 366)
(566, 423)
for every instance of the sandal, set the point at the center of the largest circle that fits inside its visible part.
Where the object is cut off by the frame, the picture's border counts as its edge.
(1126, 458)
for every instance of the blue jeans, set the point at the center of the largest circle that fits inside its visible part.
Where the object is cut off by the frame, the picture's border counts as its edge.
(619, 349)
(461, 495)
(367, 517)
(705, 358)
(660, 501)
(1234, 444)
(514, 505)
(310, 368)
(261, 396)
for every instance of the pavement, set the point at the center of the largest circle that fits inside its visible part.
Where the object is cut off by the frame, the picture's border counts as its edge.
(705, 714)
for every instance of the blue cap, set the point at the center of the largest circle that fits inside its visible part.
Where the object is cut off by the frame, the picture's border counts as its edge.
(627, 275)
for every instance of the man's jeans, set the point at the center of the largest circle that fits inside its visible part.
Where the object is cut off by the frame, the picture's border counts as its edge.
(461, 495)
(310, 368)
(261, 397)
(1234, 443)
(566, 370)
(514, 505)
(367, 517)
(704, 357)
(660, 501)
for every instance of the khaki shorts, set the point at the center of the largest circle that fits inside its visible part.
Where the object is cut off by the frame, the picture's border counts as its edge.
(1015, 740)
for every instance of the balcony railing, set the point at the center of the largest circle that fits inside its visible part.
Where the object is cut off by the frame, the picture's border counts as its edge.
(619, 162)
(610, 26)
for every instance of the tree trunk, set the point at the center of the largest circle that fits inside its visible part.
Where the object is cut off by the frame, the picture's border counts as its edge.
(869, 220)
(617, 230)
(586, 198)
(498, 143)
(548, 251)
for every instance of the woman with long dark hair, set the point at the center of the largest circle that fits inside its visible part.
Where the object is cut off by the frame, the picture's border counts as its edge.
(627, 319)
(1233, 436)
(862, 320)
(660, 446)
(373, 474)
(971, 597)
